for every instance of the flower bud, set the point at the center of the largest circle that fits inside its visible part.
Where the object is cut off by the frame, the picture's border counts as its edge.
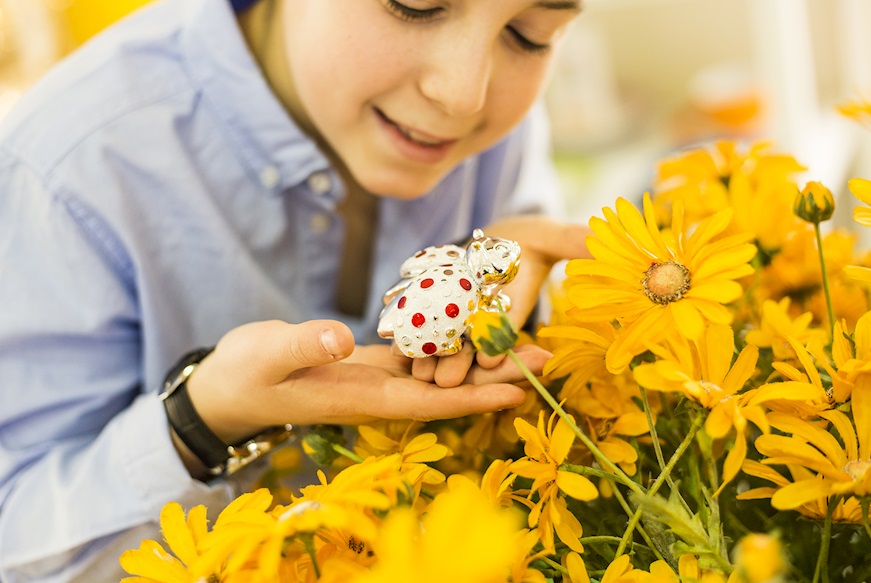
(814, 203)
(318, 443)
(492, 332)
(759, 558)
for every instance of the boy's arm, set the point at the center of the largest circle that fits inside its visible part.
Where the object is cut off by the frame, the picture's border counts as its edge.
(84, 450)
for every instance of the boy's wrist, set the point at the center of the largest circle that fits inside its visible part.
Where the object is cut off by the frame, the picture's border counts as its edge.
(203, 451)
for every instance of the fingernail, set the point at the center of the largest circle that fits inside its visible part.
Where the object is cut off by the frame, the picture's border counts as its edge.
(330, 343)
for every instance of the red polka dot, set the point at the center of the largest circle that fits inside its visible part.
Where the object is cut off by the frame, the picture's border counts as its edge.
(401, 303)
(417, 320)
(426, 283)
(465, 284)
(429, 348)
(452, 310)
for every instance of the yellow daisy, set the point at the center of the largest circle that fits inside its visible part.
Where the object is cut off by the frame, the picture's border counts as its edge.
(795, 272)
(703, 371)
(578, 352)
(851, 355)
(521, 571)
(494, 433)
(834, 469)
(652, 282)
(707, 180)
(416, 452)
(759, 558)
(152, 563)
(861, 189)
(546, 449)
(621, 570)
(801, 393)
(229, 549)
(609, 409)
(847, 510)
(777, 326)
(462, 538)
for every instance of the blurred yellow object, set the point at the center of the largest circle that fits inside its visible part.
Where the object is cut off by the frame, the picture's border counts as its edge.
(82, 19)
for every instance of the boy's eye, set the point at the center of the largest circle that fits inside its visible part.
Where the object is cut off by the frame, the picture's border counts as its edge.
(525, 44)
(411, 14)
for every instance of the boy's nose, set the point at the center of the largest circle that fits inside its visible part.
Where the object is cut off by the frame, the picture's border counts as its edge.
(457, 76)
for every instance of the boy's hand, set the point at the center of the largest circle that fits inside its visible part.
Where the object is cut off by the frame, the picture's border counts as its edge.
(543, 242)
(271, 373)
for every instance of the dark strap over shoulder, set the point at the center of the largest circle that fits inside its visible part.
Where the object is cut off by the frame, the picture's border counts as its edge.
(240, 5)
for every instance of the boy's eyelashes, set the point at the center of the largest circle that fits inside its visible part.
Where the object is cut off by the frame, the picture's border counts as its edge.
(418, 15)
(525, 44)
(411, 14)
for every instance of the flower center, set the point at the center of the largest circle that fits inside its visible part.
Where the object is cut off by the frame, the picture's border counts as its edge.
(857, 468)
(666, 282)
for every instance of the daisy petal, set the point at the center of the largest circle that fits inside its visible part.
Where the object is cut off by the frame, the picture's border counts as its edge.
(794, 495)
(576, 486)
(861, 189)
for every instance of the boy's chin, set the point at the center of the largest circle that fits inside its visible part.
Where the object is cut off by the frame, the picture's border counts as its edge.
(399, 187)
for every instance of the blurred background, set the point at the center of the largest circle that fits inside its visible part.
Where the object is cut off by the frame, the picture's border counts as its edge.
(642, 79)
(639, 80)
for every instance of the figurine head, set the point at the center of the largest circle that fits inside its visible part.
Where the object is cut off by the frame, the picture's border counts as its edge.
(492, 261)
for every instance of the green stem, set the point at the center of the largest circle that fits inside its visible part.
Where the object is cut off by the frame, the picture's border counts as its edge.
(714, 482)
(660, 480)
(650, 544)
(347, 453)
(308, 541)
(555, 565)
(597, 453)
(610, 539)
(658, 449)
(865, 501)
(587, 471)
(825, 282)
(822, 568)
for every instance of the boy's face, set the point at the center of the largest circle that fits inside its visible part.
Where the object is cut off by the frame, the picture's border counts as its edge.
(402, 92)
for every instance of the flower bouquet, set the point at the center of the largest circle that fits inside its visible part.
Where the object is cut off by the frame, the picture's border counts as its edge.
(706, 416)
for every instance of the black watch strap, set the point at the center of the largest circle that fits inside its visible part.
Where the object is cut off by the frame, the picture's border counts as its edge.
(184, 419)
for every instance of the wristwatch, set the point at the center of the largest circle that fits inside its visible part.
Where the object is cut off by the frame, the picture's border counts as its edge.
(219, 457)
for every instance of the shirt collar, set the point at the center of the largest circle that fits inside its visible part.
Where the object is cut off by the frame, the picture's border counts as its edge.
(265, 136)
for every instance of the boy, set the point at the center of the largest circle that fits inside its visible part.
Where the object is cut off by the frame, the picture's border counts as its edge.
(194, 171)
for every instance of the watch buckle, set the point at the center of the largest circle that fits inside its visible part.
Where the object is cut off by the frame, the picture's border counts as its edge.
(243, 454)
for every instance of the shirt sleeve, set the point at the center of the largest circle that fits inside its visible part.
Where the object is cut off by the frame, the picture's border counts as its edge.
(85, 453)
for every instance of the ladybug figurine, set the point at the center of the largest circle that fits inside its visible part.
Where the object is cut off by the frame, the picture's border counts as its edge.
(427, 312)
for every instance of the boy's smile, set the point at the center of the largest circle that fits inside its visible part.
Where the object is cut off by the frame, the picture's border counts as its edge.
(414, 144)
(401, 93)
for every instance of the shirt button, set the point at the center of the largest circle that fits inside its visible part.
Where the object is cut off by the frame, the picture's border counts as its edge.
(269, 176)
(319, 223)
(319, 182)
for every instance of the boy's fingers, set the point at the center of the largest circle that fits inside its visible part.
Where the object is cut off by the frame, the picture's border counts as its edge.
(552, 239)
(423, 369)
(451, 370)
(534, 357)
(425, 402)
(486, 361)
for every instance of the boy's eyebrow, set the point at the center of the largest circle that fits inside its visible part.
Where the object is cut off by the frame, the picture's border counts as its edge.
(575, 5)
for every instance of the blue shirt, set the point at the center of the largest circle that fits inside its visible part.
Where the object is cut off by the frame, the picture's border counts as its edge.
(154, 195)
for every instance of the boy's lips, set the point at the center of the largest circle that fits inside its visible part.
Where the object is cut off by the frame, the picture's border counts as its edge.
(437, 146)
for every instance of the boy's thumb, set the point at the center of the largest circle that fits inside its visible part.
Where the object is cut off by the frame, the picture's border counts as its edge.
(315, 343)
